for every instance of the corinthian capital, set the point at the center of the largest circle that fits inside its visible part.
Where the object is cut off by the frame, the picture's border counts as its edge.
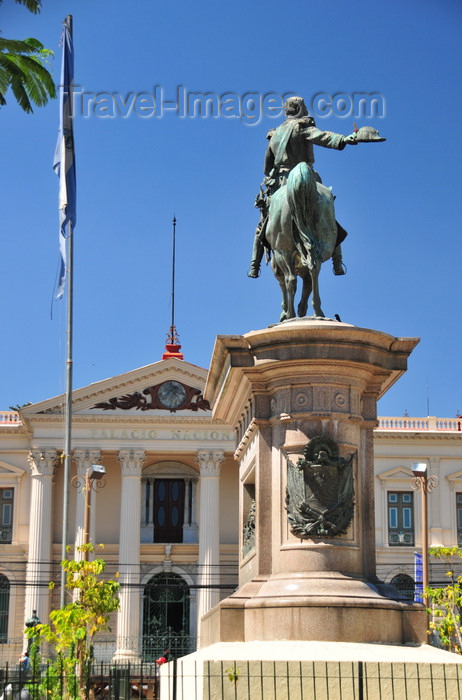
(85, 458)
(131, 462)
(42, 462)
(210, 462)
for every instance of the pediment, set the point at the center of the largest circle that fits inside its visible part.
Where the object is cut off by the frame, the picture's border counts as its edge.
(396, 473)
(8, 470)
(455, 477)
(136, 391)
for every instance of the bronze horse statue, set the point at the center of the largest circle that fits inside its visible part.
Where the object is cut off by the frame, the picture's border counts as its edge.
(301, 230)
(302, 233)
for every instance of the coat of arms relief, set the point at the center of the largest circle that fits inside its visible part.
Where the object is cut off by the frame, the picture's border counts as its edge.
(320, 491)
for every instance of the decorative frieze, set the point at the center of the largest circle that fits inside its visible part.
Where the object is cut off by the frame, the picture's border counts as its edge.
(171, 395)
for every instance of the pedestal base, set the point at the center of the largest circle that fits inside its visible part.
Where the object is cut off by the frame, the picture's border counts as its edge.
(321, 670)
(323, 606)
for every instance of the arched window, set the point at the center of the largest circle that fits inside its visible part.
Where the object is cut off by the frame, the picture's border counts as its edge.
(4, 607)
(166, 616)
(405, 585)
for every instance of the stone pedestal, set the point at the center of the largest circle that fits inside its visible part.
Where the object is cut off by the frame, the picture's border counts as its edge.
(280, 388)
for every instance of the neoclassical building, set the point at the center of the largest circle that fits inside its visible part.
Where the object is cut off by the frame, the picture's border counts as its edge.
(166, 512)
(167, 509)
(398, 444)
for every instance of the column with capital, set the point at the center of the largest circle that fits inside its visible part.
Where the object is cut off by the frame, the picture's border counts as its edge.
(128, 619)
(39, 556)
(209, 529)
(83, 460)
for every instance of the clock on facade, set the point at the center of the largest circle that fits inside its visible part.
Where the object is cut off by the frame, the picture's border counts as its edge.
(171, 394)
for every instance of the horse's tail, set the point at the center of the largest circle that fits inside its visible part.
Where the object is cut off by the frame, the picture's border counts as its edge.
(302, 199)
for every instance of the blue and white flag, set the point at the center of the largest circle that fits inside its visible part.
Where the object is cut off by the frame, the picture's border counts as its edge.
(64, 160)
(418, 577)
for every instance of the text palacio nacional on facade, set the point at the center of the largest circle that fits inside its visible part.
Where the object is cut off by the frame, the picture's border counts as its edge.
(168, 512)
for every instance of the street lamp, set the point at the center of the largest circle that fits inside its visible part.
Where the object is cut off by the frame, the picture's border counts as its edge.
(93, 477)
(425, 484)
(32, 622)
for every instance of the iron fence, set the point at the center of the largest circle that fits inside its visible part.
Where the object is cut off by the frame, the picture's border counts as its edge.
(310, 680)
(114, 682)
(148, 648)
(246, 680)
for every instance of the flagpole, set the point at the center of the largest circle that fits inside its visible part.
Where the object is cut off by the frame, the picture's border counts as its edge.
(68, 426)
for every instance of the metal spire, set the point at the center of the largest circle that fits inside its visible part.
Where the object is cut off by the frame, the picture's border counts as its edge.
(173, 346)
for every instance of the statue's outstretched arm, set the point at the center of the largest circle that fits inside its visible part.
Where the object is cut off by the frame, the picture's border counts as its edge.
(327, 139)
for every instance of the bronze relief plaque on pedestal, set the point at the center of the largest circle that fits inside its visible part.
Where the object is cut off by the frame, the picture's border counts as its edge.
(320, 491)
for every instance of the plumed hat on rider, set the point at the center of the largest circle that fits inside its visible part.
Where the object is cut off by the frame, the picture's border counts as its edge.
(295, 108)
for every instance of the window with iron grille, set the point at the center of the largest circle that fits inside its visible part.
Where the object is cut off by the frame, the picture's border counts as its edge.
(400, 518)
(6, 515)
(4, 607)
(459, 518)
(166, 608)
(405, 585)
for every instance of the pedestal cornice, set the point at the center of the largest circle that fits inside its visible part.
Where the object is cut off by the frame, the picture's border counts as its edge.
(297, 350)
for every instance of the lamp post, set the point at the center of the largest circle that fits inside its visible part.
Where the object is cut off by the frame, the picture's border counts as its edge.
(425, 484)
(93, 475)
(32, 622)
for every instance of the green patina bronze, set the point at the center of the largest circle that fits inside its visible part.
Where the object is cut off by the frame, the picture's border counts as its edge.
(297, 218)
(320, 491)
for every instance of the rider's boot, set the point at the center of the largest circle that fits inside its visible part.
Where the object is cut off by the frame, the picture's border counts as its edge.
(337, 262)
(257, 254)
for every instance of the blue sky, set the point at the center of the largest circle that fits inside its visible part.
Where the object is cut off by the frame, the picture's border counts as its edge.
(399, 200)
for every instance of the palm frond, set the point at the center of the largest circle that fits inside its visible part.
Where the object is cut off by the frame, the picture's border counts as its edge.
(22, 68)
(18, 46)
(33, 6)
(20, 93)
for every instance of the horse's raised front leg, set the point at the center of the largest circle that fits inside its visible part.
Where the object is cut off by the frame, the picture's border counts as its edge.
(316, 301)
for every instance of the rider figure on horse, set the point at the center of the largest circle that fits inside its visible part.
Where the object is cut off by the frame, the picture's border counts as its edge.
(292, 143)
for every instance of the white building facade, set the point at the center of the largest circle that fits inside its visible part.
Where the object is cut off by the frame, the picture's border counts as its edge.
(399, 443)
(168, 513)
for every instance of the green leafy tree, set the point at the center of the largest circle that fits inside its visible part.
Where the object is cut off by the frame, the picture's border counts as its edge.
(447, 601)
(72, 628)
(23, 68)
(32, 5)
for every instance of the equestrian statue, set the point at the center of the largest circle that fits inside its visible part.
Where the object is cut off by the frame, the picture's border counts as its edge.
(297, 216)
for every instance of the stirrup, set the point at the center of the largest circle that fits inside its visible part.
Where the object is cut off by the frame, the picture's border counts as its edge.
(339, 270)
(254, 271)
